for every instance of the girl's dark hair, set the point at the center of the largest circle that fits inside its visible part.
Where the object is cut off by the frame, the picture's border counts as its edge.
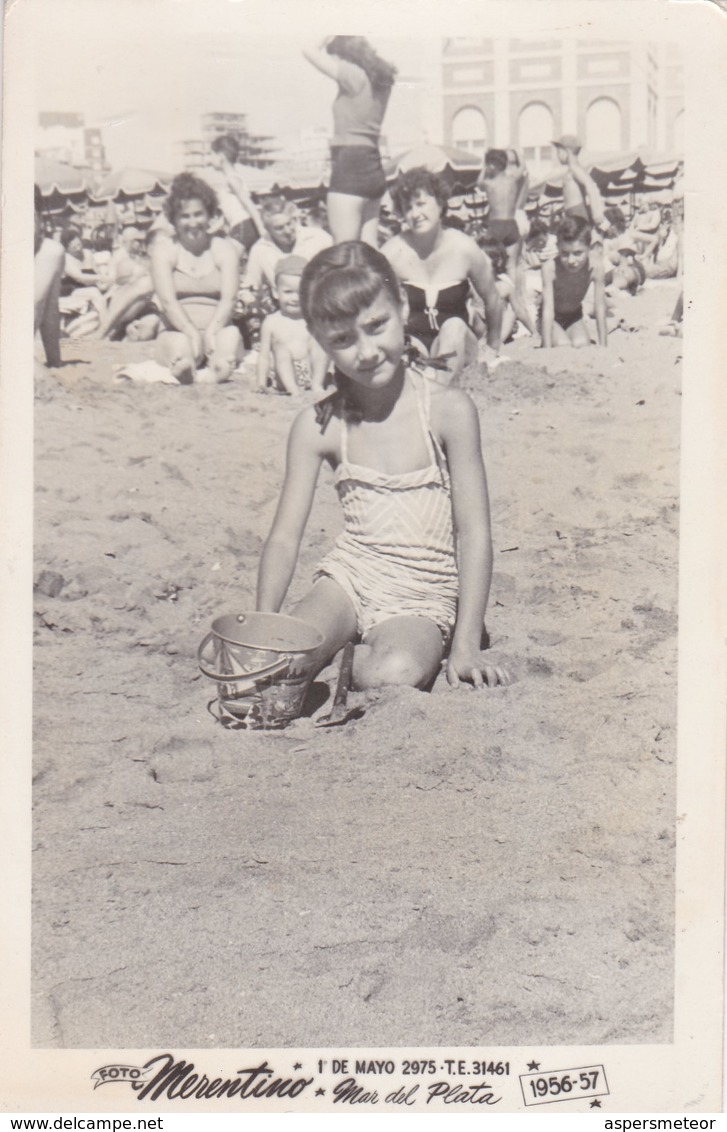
(496, 251)
(419, 180)
(356, 49)
(227, 144)
(69, 234)
(538, 228)
(186, 186)
(103, 238)
(498, 158)
(344, 280)
(574, 228)
(616, 219)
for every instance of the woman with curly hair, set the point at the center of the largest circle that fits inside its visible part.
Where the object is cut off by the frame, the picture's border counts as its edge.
(357, 178)
(438, 267)
(196, 277)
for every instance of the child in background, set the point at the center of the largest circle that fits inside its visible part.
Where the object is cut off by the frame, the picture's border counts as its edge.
(289, 355)
(504, 284)
(566, 280)
(411, 482)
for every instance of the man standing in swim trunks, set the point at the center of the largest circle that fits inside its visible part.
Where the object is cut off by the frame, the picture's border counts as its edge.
(580, 192)
(504, 191)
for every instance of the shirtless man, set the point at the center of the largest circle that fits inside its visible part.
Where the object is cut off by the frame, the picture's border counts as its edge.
(504, 184)
(580, 192)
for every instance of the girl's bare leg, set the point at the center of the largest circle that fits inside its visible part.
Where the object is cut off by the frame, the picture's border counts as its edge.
(328, 608)
(560, 336)
(578, 335)
(370, 225)
(345, 216)
(228, 352)
(518, 298)
(174, 351)
(401, 650)
(456, 338)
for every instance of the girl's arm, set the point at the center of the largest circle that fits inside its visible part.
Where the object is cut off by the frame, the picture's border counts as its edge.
(280, 553)
(324, 62)
(228, 262)
(547, 313)
(590, 188)
(237, 186)
(75, 272)
(524, 190)
(483, 280)
(460, 431)
(162, 267)
(599, 297)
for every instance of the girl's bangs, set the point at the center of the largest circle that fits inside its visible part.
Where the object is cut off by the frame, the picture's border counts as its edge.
(343, 294)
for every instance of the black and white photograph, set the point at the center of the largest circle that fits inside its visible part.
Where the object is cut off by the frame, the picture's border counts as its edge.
(362, 463)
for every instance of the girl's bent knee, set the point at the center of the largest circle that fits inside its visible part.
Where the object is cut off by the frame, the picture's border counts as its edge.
(374, 669)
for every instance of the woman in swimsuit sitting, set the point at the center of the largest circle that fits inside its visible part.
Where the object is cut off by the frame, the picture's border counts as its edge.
(565, 282)
(196, 278)
(436, 266)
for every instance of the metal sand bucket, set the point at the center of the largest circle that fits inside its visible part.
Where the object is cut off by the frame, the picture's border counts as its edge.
(262, 664)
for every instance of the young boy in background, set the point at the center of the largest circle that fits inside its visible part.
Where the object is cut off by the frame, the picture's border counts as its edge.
(290, 360)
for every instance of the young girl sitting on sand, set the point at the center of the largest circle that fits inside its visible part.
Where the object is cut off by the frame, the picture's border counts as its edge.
(566, 279)
(411, 481)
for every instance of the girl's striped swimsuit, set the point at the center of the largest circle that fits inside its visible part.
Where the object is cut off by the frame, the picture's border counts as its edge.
(396, 555)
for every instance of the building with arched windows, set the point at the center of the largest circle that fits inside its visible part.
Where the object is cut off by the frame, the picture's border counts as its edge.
(614, 96)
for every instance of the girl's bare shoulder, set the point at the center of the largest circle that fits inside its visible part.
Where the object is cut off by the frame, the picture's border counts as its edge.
(452, 410)
(317, 428)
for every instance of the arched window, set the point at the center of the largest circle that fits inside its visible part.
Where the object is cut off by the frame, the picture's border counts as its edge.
(603, 126)
(679, 132)
(469, 130)
(535, 133)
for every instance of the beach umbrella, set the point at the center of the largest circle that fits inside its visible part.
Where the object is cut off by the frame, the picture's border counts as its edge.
(61, 184)
(458, 167)
(131, 184)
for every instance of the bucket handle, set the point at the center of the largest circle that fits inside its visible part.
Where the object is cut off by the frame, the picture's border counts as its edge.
(230, 678)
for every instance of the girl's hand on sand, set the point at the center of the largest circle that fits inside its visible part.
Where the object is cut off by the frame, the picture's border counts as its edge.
(476, 670)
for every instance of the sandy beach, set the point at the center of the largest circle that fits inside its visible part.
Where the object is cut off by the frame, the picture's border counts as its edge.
(454, 868)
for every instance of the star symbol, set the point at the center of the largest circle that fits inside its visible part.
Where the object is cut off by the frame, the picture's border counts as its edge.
(595, 1103)
(533, 1065)
(297, 1065)
(320, 1092)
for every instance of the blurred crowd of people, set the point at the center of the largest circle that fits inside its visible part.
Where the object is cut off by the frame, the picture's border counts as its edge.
(202, 277)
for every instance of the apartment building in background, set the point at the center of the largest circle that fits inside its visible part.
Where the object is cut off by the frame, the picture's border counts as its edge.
(255, 149)
(65, 137)
(615, 96)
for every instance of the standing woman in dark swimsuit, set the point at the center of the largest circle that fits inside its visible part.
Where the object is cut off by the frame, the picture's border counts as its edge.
(196, 278)
(436, 267)
(357, 177)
